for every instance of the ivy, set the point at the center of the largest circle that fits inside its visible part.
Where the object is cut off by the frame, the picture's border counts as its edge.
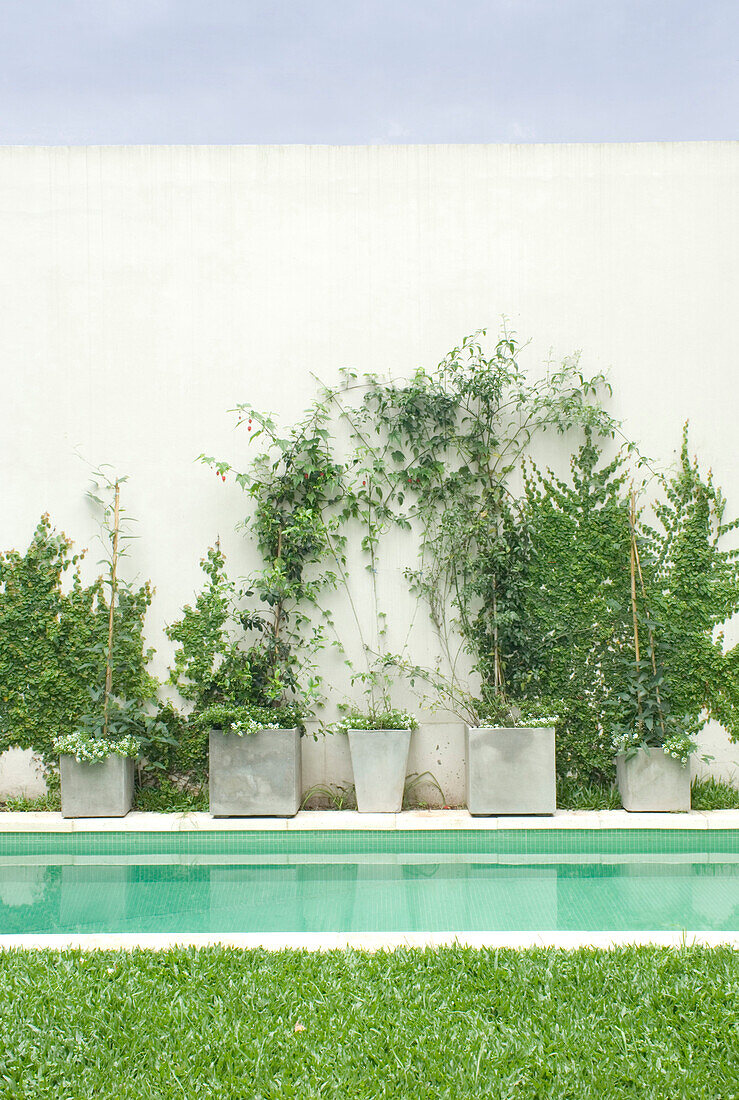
(53, 634)
(574, 603)
(696, 592)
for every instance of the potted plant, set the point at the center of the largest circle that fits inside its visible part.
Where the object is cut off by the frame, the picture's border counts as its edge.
(97, 774)
(255, 765)
(97, 759)
(511, 759)
(652, 745)
(243, 700)
(379, 742)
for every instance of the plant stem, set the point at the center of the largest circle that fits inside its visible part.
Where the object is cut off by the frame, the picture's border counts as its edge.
(111, 610)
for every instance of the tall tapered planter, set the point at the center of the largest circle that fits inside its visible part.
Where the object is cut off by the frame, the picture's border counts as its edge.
(255, 775)
(511, 770)
(379, 762)
(650, 780)
(103, 788)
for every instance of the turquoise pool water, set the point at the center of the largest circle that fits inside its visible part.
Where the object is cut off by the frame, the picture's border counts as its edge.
(375, 881)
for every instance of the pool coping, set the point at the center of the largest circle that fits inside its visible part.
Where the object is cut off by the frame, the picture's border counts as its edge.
(365, 941)
(36, 821)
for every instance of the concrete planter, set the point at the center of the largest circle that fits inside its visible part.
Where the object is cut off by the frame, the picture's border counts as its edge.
(650, 780)
(256, 775)
(379, 761)
(511, 770)
(100, 789)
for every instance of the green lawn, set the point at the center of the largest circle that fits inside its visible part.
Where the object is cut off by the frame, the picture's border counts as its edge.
(633, 1022)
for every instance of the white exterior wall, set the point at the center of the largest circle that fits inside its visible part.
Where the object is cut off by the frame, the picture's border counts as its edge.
(146, 290)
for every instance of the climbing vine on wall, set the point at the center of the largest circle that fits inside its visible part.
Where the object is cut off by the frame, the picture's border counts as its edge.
(696, 583)
(600, 596)
(295, 484)
(53, 638)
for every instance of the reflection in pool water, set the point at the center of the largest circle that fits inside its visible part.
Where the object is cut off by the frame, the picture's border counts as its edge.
(325, 886)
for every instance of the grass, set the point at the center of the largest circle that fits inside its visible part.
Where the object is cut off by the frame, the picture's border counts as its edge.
(713, 794)
(582, 795)
(706, 794)
(168, 798)
(454, 1023)
(51, 801)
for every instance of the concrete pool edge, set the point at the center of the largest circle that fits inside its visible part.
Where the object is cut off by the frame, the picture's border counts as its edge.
(366, 941)
(40, 822)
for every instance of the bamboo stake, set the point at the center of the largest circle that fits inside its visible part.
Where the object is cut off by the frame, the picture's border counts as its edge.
(632, 547)
(632, 526)
(111, 611)
(649, 625)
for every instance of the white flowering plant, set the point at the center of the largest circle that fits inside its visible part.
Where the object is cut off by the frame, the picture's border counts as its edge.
(92, 750)
(376, 720)
(247, 720)
(521, 714)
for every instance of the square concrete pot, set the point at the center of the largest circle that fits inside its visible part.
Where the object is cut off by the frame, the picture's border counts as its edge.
(100, 789)
(255, 775)
(379, 762)
(650, 780)
(511, 770)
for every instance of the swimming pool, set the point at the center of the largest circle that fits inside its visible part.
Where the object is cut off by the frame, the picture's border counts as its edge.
(369, 881)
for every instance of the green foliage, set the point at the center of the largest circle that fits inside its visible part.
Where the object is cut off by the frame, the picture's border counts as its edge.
(713, 794)
(453, 1023)
(216, 674)
(180, 748)
(169, 797)
(436, 455)
(577, 794)
(536, 588)
(209, 670)
(51, 802)
(206, 660)
(696, 591)
(210, 666)
(457, 435)
(295, 484)
(127, 686)
(47, 642)
(246, 719)
(572, 615)
(53, 632)
(378, 720)
(498, 710)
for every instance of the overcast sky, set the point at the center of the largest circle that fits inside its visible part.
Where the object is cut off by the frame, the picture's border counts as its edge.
(366, 71)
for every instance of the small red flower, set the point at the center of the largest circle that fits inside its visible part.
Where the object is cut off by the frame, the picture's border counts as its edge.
(223, 477)
(364, 483)
(249, 428)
